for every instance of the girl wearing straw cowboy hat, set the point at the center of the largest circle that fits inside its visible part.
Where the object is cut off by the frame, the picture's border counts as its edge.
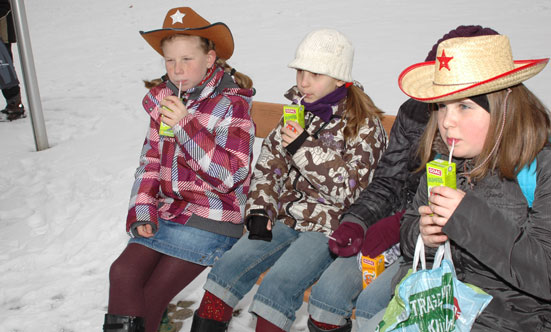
(497, 132)
(187, 200)
(378, 209)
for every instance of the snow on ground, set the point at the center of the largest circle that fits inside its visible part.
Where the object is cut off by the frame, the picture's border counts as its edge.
(62, 210)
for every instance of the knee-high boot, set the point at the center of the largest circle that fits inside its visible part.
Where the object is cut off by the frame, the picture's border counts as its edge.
(117, 323)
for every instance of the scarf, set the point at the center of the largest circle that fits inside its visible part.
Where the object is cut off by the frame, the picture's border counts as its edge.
(323, 107)
(195, 92)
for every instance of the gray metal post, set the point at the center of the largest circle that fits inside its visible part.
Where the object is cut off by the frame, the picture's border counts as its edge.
(29, 74)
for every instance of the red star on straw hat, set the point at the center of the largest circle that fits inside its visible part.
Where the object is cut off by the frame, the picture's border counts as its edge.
(444, 60)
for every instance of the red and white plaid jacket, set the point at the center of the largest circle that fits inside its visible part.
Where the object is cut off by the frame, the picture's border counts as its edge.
(205, 169)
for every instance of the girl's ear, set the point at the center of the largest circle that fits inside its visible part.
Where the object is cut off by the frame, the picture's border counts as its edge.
(211, 57)
(340, 83)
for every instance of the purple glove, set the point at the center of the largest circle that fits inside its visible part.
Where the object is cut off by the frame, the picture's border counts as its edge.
(347, 239)
(382, 235)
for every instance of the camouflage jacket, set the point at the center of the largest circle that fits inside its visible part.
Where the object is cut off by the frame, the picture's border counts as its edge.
(308, 190)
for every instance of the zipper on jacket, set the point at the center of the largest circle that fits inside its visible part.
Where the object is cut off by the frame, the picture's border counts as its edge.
(316, 136)
(288, 207)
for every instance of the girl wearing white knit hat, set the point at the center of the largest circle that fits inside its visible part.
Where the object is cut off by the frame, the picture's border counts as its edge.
(304, 179)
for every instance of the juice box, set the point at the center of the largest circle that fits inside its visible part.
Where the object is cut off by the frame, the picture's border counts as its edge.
(164, 129)
(440, 173)
(371, 268)
(294, 113)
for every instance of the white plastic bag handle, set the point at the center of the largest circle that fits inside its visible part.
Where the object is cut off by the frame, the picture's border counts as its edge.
(443, 251)
(419, 254)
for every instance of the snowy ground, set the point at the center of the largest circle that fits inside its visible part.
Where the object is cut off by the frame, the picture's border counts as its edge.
(62, 210)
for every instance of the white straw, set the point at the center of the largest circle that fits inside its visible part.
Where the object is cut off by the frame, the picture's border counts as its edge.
(179, 89)
(451, 152)
(332, 238)
(300, 100)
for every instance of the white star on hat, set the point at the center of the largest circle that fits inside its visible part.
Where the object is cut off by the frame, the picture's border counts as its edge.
(177, 17)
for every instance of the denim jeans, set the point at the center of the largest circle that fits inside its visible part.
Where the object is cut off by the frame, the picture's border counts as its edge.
(375, 298)
(295, 259)
(334, 295)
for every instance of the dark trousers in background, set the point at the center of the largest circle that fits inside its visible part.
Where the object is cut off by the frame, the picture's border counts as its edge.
(13, 92)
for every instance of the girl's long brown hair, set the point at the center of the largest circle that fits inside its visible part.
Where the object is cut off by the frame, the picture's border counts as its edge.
(242, 80)
(359, 107)
(526, 130)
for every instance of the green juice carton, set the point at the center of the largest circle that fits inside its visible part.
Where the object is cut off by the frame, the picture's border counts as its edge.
(294, 113)
(441, 173)
(164, 129)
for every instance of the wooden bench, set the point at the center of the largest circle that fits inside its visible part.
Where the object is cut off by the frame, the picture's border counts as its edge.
(266, 116)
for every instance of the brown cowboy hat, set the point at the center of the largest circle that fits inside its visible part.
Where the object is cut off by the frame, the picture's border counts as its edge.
(465, 67)
(186, 21)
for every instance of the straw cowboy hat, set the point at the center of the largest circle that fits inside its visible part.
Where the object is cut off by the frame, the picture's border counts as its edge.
(467, 66)
(186, 21)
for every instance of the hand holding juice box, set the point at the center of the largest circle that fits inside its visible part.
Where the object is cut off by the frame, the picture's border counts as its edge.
(164, 129)
(441, 173)
(293, 113)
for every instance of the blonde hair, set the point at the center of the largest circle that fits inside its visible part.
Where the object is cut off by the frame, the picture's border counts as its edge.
(359, 107)
(242, 80)
(526, 130)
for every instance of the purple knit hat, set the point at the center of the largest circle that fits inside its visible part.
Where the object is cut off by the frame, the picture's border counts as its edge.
(461, 31)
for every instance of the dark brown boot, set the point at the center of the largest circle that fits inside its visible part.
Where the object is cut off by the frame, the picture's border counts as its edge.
(14, 109)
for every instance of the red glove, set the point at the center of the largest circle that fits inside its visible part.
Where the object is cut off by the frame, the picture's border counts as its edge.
(348, 239)
(382, 235)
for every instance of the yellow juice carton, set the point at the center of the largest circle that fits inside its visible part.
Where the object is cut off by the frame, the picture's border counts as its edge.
(371, 268)
(440, 173)
(294, 113)
(164, 129)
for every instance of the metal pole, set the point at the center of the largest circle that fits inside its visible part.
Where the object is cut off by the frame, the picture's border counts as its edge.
(29, 74)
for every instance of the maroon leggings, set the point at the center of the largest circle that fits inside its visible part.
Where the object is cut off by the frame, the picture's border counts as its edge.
(143, 281)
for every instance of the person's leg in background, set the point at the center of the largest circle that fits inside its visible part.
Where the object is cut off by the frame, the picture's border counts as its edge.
(14, 107)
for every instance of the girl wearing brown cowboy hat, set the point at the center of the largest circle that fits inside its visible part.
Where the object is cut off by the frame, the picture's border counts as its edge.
(497, 132)
(188, 196)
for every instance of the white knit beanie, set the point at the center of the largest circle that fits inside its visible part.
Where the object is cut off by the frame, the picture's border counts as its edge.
(327, 52)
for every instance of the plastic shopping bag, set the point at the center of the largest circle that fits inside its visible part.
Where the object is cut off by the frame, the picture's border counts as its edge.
(433, 300)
